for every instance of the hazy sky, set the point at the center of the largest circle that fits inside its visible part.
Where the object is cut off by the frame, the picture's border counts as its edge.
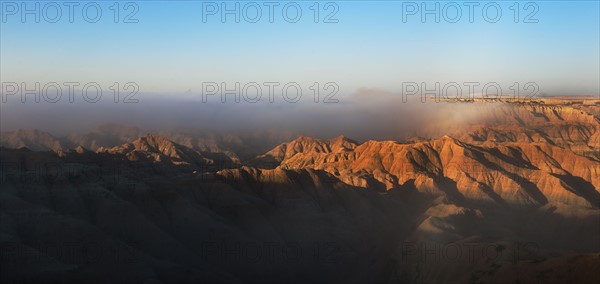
(171, 50)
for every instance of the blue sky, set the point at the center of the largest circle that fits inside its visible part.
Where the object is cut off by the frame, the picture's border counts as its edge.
(171, 50)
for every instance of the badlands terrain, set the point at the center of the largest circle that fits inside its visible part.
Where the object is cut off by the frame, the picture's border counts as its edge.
(510, 197)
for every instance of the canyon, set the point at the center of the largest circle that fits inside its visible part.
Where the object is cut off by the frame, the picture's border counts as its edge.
(469, 201)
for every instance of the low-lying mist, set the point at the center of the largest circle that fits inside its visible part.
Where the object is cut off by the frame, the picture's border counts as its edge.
(367, 114)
